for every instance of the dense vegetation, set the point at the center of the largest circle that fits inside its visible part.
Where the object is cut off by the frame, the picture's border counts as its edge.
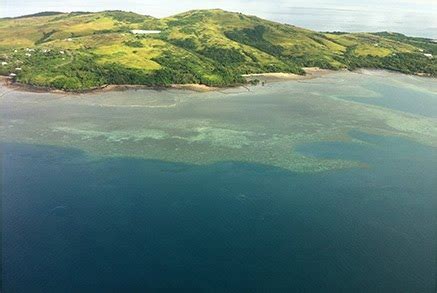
(255, 37)
(81, 50)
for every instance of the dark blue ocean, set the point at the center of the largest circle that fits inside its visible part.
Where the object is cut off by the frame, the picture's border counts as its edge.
(75, 223)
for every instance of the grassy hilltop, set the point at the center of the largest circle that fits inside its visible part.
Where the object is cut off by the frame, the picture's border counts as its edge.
(79, 50)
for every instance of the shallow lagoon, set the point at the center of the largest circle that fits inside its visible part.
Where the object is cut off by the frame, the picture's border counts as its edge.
(279, 188)
(263, 125)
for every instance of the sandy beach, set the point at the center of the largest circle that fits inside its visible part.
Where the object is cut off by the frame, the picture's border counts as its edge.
(310, 72)
(194, 87)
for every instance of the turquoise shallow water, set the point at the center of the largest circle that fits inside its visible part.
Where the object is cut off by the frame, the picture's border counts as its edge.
(401, 98)
(263, 125)
(72, 223)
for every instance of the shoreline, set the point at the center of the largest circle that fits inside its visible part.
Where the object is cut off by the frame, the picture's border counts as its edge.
(104, 88)
(310, 73)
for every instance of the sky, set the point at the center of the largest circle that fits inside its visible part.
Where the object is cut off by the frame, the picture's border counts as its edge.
(413, 17)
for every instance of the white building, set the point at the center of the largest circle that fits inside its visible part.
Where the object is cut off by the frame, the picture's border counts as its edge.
(144, 32)
(428, 55)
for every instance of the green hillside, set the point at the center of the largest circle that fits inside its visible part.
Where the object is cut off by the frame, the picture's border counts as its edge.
(79, 50)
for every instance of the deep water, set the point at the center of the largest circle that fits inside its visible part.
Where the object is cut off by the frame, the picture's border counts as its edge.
(74, 223)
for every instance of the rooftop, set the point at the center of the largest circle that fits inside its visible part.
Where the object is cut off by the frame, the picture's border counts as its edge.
(143, 32)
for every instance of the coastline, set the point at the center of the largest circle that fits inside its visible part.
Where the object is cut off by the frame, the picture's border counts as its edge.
(104, 88)
(310, 73)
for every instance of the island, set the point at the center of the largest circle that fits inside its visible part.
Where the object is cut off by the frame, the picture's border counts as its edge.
(81, 51)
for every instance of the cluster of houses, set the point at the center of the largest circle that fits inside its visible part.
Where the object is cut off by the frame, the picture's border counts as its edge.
(12, 77)
(30, 50)
(426, 54)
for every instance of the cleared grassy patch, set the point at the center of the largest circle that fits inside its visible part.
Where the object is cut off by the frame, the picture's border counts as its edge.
(128, 56)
